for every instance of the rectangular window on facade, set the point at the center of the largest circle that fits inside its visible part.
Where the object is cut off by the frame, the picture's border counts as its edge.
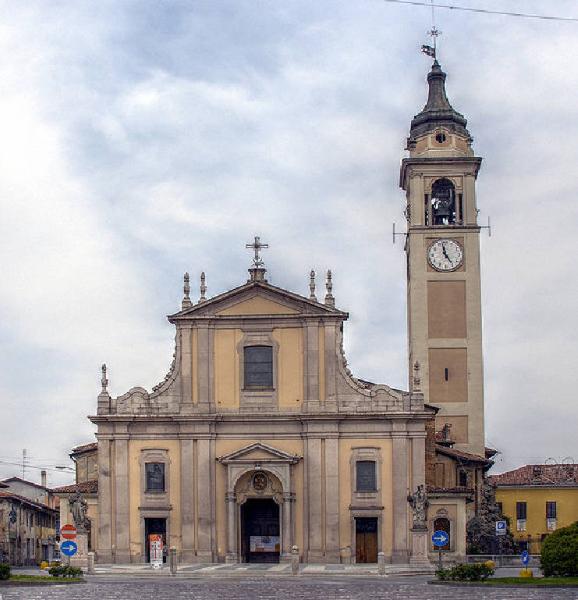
(365, 479)
(258, 363)
(500, 508)
(155, 477)
(463, 478)
(550, 510)
(521, 510)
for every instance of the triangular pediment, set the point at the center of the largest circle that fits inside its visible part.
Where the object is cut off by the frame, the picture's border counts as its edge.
(259, 452)
(257, 305)
(257, 299)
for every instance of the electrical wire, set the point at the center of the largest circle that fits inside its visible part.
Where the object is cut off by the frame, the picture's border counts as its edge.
(29, 466)
(485, 11)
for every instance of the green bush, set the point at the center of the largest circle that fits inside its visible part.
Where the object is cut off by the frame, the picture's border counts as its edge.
(65, 571)
(560, 553)
(465, 572)
(4, 571)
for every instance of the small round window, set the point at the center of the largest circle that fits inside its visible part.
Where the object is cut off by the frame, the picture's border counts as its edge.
(440, 138)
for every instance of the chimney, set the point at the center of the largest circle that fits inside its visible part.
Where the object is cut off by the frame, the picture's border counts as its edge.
(43, 478)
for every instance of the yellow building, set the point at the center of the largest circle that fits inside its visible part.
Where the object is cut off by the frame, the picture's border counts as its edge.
(538, 499)
(259, 438)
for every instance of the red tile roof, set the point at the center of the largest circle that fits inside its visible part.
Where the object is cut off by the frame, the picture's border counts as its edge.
(461, 455)
(543, 475)
(452, 490)
(36, 485)
(84, 487)
(23, 500)
(85, 448)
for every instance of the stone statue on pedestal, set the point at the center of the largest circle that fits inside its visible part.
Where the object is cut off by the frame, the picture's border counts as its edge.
(419, 504)
(79, 508)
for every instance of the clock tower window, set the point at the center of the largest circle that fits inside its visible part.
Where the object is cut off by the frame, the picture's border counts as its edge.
(441, 206)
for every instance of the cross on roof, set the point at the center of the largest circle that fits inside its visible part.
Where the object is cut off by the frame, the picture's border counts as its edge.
(257, 246)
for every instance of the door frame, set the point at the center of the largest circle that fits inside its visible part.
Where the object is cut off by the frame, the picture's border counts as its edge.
(240, 528)
(375, 513)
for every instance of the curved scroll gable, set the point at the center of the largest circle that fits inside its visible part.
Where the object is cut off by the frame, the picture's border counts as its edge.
(355, 384)
(162, 400)
(173, 372)
(374, 396)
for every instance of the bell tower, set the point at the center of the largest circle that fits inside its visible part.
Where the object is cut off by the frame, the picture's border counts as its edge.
(443, 267)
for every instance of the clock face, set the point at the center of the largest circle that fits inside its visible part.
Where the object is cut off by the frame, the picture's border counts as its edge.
(445, 255)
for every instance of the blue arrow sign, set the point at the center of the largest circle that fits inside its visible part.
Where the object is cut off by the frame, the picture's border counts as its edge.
(68, 548)
(525, 557)
(440, 538)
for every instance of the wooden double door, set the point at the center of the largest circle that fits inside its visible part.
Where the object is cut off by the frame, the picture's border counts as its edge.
(366, 540)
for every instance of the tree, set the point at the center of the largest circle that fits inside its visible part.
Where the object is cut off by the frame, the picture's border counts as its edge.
(481, 529)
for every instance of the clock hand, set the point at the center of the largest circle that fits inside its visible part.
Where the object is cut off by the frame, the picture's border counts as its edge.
(445, 253)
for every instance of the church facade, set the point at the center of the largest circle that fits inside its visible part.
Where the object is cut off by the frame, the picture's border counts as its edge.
(260, 439)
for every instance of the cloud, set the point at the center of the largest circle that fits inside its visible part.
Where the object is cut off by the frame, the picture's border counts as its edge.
(144, 139)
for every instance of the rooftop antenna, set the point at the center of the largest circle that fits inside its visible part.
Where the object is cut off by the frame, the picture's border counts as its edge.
(434, 33)
(24, 462)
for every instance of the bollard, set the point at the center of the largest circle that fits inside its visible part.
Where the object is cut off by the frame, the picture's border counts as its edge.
(295, 560)
(381, 563)
(173, 560)
(90, 569)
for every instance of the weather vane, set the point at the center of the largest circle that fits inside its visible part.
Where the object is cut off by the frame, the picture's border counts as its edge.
(257, 246)
(434, 33)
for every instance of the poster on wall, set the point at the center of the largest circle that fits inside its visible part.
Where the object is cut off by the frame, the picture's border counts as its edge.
(264, 543)
(156, 550)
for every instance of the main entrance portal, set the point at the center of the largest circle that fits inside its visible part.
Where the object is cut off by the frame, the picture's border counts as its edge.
(260, 531)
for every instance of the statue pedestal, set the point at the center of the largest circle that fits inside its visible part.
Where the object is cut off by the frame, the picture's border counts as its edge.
(80, 559)
(419, 540)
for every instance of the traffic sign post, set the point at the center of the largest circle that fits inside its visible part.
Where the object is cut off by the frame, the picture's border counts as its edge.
(525, 558)
(68, 548)
(439, 539)
(68, 532)
(501, 527)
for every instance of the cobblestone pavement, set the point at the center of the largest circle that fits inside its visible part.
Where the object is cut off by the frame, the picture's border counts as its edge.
(275, 588)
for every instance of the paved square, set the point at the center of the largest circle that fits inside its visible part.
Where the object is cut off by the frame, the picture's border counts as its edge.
(275, 588)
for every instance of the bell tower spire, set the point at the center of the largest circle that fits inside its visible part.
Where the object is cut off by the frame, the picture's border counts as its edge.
(443, 265)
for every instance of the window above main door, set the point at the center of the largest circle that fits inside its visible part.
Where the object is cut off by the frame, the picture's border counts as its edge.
(258, 367)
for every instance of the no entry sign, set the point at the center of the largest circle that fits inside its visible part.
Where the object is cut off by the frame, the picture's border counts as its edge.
(68, 532)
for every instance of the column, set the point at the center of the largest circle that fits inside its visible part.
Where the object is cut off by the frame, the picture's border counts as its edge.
(330, 363)
(205, 501)
(122, 501)
(313, 492)
(312, 354)
(187, 501)
(104, 532)
(186, 369)
(332, 554)
(203, 366)
(232, 554)
(400, 492)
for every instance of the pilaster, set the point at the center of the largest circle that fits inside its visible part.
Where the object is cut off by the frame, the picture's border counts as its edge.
(122, 499)
(400, 553)
(104, 554)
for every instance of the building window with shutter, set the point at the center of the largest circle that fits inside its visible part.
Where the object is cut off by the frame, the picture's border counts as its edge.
(258, 367)
(365, 479)
(521, 513)
(155, 477)
(551, 515)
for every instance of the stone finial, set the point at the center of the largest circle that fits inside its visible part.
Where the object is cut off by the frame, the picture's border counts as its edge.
(416, 377)
(312, 295)
(329, 299)
(187, 292)
(203, 288)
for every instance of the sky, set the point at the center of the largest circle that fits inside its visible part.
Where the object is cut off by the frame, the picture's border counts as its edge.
(142, 139)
